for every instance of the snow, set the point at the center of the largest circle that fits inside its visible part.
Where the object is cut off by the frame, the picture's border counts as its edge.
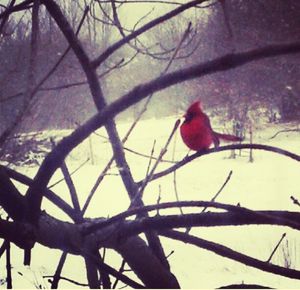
(265, 184)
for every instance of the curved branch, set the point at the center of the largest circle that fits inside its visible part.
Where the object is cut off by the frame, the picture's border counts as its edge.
(231, 254)
(66, 279)
(59, 202)
(10, 198)
(284, 131)
(220, 149)
(58, 154)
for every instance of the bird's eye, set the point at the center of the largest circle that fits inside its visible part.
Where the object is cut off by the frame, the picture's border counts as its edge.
(188, 117)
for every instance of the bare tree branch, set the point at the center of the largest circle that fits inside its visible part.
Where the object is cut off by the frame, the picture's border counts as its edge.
(66, 279)
(71, 186)
(38, 88)
(225, 148)
(5, 18)
(71, 173)
(57, 275)
(276, 247)
(162, 152)
(30, 72)
(237, 216)
(231, 254)
(59, 202)
(92, 273)
(19, 7)
(8, 267)
(143, 29)
(10, 198)
(284, 131)
(295, 200)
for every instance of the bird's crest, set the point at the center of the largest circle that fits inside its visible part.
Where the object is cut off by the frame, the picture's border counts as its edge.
(194, 108)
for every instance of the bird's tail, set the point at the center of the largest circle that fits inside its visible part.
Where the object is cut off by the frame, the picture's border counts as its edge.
(228, 137)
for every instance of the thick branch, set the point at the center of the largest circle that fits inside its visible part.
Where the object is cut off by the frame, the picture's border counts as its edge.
(146, 265)
(10, 198)
(59, 202)
(56, 234)
(17, 233)
(211, 219)
(66, 236)
(195, 219)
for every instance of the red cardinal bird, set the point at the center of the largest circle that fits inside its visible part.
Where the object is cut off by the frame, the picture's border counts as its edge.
(196, 131)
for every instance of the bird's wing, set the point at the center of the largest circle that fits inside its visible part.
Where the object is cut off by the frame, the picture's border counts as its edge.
(208, 125)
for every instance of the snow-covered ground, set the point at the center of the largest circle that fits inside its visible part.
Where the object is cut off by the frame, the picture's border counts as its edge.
(267, 183)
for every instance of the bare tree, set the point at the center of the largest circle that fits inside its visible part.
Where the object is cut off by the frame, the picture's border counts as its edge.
(28, 224)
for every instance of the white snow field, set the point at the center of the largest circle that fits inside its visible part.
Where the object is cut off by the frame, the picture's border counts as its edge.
(265, 184)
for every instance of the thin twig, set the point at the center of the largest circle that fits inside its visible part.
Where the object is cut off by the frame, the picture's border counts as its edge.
(284, 131)
(70, 184)
(184, 36)
(65, 86)
(121, 270)
(99, 60)
(147, 156)
(174, 175)
(276, 247)
(66, 279)
(158, 199)
(73, 172)
(220, 190)
(150, 159)
(107, 167)
(214, 197)
(295, 200)
(162, 153)
(33, 91)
